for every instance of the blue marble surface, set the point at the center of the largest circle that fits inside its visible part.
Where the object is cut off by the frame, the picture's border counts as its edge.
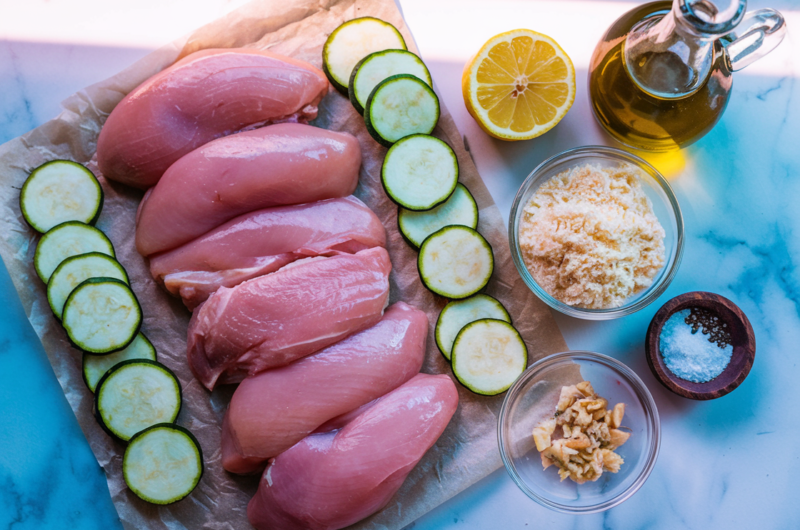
(726, 464)
(49, 477)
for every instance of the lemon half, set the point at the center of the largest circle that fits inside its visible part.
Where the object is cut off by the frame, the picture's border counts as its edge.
(519, 85)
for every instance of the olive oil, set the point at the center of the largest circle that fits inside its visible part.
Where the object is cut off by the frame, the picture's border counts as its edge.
(653, 118)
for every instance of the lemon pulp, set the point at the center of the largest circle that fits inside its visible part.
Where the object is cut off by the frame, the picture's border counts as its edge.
(519, 85)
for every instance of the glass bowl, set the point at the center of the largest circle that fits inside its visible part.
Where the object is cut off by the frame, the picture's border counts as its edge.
(533, 398)
(665, 207)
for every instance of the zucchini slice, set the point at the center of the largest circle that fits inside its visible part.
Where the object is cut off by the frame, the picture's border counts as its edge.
(96, 366)
(400, 106)
(66, 240)
(376, 67)
(101, 315)
(74, 271)
(351, 42)
(163, 463)
(419, 172)
(455, 262)
(459, 313)
(134, 395)
(60, 191)
(459, 209)
(488, 356)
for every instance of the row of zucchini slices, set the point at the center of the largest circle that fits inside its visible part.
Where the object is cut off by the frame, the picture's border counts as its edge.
(137, 399)
(367, 60)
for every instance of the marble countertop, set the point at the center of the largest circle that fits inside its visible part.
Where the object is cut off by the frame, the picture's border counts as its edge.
(728, 463)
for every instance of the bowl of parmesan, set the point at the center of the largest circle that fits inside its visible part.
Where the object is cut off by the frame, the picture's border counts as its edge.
(596, 232)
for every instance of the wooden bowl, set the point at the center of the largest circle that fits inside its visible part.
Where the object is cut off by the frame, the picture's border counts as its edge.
(742, 339)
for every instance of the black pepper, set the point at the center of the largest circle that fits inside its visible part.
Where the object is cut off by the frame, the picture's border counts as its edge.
(711, 324)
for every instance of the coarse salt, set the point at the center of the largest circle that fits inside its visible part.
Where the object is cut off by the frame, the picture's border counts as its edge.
(688, 353)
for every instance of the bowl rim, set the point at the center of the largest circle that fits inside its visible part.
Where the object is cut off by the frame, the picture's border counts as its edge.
(653, 292)
(742, 357)
(648, 404)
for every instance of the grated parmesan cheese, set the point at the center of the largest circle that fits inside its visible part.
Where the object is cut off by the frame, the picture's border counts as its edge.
(589, 236)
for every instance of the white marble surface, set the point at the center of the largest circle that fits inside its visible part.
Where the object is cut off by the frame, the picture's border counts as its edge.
(730, 463)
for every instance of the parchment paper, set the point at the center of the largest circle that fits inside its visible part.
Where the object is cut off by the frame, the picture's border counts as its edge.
(465, 453)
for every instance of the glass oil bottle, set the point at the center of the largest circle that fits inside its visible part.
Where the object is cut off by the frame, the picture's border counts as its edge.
(661, 76)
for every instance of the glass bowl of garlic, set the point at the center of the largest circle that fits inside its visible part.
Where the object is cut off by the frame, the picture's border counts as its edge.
(579, 432)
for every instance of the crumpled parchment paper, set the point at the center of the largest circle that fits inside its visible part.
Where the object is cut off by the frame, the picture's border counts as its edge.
(466, 452)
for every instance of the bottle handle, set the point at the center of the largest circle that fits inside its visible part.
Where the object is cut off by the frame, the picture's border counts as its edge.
(758, 34)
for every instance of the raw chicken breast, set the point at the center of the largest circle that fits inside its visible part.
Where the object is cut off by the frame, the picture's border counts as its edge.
(208, 94)
(332, 480)
(263, 241)
(275, 319)
(273, 410)
(282, 164)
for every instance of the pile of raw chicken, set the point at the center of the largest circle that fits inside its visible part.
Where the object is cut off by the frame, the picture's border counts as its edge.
(249, 218)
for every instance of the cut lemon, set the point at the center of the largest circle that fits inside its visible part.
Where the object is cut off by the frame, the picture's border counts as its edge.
(519, 85)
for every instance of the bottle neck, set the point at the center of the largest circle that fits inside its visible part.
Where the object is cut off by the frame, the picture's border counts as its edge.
(670, 56)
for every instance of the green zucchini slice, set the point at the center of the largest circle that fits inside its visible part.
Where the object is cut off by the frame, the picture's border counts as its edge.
(459, 209)
(351, 42)
(96, 366)
(135, 394)
(455, 262)
(419, 172)
(488, 356)
(73, 271)
(163, 464)
(60, 191)
(459, 313)
(101, 315)
(376, 67)
(66, 240)
(400, 106)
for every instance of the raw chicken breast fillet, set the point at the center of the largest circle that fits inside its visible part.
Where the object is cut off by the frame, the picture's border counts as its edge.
(263, 241)
(208, 94)
(282, 164)
(275, 319)
(332, 480)
(273, 410)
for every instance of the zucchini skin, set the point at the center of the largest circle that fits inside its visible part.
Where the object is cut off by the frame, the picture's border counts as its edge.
(99, 417)
(400, 230)
(453, 355)
(391, 195)
(351, 94)
(113, 253)
(83, 363)
(476, 291)
(337, 85)
(436, 326)
(127, 279)
(102, 279)
(372, 131)
(414, 245)
(22, 208)
(191, 436)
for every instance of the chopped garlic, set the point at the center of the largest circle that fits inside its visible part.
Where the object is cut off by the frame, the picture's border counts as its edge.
(585, 447)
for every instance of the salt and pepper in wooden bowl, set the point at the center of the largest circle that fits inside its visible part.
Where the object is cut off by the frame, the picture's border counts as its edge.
(693, 336)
